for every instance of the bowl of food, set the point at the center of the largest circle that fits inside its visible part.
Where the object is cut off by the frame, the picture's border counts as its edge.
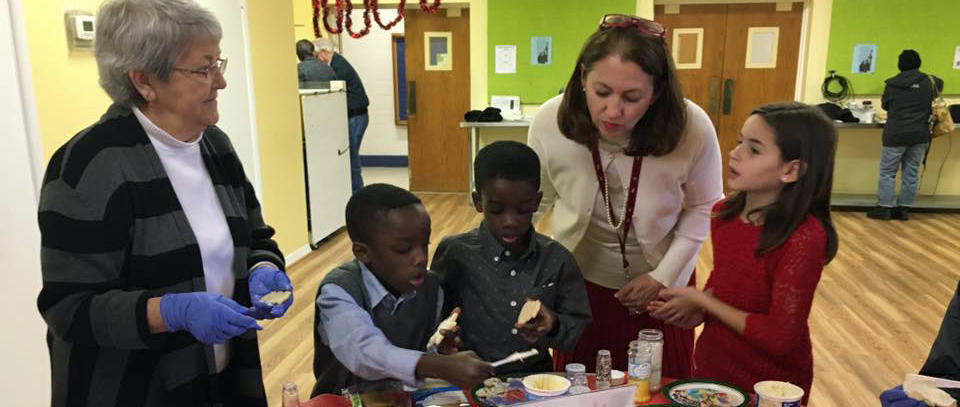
(772, 393)
(546, 385)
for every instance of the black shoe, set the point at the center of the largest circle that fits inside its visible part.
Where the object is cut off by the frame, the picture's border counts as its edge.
(881, 213)
(901, 213)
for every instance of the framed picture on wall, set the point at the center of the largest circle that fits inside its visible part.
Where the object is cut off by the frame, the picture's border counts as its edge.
(864, 58)
(541, 50)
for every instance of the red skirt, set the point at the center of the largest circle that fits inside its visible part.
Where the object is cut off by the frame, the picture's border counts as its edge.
(613, 327)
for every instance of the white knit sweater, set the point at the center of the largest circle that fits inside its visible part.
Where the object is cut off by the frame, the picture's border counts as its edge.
(675, 194)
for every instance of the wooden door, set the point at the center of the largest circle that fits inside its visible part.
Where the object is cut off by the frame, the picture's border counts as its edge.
(744, 89)
(701, 79)
(724, 80)
(437, 100)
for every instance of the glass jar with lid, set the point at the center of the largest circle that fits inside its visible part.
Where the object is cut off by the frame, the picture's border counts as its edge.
(653, 339)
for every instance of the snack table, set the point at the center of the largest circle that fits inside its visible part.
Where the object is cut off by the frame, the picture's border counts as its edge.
(332, 400)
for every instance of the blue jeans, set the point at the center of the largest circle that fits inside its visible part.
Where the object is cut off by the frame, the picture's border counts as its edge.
(357, 125)
(907, 158)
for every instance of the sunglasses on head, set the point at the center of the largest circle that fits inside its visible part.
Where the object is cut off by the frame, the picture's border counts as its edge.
(645, 26)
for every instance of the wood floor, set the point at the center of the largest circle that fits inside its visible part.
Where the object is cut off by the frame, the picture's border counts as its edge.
(877, 309)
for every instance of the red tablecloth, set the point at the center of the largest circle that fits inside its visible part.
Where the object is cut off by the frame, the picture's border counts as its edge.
(331, 400)
(326, 400)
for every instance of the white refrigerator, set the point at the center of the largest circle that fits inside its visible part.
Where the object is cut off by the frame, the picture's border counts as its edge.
(326, 148)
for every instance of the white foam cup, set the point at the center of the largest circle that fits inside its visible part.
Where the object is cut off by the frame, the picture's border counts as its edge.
(772, 393)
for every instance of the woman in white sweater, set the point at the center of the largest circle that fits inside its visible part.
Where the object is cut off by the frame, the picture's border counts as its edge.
(632, 170)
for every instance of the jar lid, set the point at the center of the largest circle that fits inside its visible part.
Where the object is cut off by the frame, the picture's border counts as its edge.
(576, 368)
(650, 335)
(603, 352)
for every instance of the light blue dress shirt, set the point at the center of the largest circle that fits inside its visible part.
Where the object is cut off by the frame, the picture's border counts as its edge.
(364, 350)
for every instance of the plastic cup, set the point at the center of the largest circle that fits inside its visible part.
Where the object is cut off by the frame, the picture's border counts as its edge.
(772, 393)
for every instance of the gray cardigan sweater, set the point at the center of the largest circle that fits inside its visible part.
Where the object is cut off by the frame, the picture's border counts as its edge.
(113, 236)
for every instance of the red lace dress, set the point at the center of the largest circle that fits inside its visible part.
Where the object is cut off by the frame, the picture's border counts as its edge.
(777, 291)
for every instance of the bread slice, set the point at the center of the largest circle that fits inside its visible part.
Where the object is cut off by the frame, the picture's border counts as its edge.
(275, 297)
(447, 325)
(529, 311)
(925, 389)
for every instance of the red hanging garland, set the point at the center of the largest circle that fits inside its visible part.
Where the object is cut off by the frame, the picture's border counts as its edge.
(342, 7)
(346, 7)
(376, 14)
(432, 9)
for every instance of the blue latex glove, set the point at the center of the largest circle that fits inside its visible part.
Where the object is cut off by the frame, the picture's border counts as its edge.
(209, 317)
(264, 280)
(896, 397)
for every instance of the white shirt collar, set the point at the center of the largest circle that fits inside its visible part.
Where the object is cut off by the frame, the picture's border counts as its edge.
(160, 135)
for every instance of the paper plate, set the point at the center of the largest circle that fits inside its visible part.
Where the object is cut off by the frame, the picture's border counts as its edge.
(694, 392)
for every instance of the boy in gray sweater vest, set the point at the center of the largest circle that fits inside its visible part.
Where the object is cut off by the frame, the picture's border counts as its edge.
(374, 314)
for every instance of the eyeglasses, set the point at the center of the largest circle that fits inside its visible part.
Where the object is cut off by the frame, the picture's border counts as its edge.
(219, 66)
(643, 25)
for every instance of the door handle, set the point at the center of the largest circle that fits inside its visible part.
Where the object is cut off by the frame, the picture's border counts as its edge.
(411, 98)
(713, 95)
(727, 96)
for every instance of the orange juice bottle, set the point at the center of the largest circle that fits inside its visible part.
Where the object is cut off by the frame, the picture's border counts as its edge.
(638, 369)
(643, 390)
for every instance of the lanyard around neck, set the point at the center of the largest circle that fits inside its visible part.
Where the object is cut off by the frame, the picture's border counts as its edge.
(627, 219)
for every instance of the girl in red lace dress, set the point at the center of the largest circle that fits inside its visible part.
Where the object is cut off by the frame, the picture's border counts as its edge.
(770, 243)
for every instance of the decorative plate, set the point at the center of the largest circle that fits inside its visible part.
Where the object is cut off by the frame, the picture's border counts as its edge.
(705, 393)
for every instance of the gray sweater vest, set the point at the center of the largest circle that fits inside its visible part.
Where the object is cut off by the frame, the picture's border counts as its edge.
(410, 327)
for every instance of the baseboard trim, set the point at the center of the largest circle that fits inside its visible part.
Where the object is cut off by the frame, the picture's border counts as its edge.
(298, 255)
(384, 160)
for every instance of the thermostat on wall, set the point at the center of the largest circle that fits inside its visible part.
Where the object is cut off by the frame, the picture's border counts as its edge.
(81, 26)
(84, 27)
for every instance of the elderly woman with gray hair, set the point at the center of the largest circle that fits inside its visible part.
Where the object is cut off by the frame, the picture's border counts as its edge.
(155, 255)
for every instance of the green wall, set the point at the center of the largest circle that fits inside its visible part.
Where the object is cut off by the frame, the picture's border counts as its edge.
(932, 27)
(569, 22)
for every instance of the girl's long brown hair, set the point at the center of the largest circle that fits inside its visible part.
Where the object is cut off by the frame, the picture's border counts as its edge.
(803, 133)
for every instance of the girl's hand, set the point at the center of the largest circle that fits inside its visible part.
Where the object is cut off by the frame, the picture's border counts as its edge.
(681, 307)
(639, 292)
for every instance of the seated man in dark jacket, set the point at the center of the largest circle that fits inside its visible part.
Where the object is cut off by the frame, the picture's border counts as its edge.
(906, 135)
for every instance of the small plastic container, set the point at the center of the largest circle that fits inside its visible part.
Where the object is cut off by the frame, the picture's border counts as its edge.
(577, 374)
(772, 393)
(604, 365)
(617, 377)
